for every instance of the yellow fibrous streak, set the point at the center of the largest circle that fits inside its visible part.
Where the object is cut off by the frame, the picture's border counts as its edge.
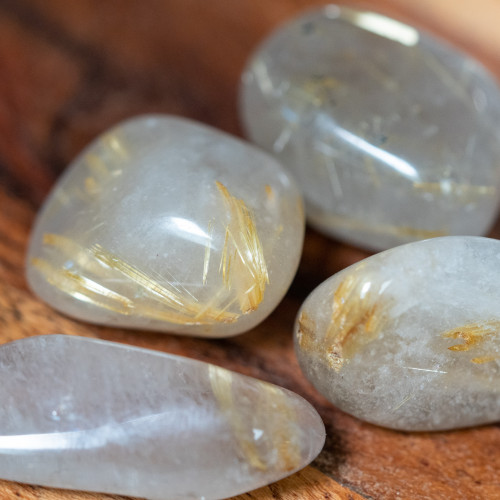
(95, 275)
(346, 222)
(276, 449)
(358, 315)
(99, 173)
(242, 262)
(465, 193)
(474, 335)
(93, 266)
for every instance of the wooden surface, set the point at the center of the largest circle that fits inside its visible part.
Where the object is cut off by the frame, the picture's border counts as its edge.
(70, 69)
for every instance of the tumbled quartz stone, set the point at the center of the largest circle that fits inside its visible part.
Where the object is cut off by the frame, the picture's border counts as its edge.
(409, 338)
(86, 414)
(169, 225)
(392, 133)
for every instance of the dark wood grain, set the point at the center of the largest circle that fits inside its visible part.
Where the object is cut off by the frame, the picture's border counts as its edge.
(71, 69)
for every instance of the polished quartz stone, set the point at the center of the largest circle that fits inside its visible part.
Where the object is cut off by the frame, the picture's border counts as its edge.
(85, 414)
(392, 133)
(169, 225)
(409, 338)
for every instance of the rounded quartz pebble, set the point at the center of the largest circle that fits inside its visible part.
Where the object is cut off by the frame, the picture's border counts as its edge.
(409, 338)
(391, 133)
(165, 224)
(75, 415)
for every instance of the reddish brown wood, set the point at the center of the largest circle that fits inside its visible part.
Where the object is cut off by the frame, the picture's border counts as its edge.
(71, 69)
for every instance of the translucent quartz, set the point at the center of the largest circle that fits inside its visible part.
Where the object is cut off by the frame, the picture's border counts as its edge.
(169, 225)
(91, 415)
(392, 133)
(409, 338)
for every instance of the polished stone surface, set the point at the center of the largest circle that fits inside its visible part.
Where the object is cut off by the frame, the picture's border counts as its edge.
(85, 414)
(166, 224)
(392, 133)
(409, 338)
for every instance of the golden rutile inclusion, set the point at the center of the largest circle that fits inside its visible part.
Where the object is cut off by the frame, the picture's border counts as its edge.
(242, 264)
(461, 192)
(474, 335)
(465, 193)
(269, 193)
(277, 449)
(88, 274)
(100, 173)
(346, 222)
(317, 91)
(359, 313)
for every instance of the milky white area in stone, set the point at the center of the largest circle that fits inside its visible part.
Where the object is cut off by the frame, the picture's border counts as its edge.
(392, 133)
(409, 338)
(91, 415)
(165, 224)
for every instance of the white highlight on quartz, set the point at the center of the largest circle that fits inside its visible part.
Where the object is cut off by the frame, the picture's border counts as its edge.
(143, 423)
(384, 26)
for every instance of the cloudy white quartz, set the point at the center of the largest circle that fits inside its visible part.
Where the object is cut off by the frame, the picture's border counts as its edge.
(409, 338)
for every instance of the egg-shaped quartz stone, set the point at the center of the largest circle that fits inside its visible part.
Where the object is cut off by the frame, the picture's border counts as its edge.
(409, 338)
(392, 134)
(165, 224)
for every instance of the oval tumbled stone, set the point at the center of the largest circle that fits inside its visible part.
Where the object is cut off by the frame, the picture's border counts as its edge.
(169, 225)
(392, 134)
(85, 414)
(409, 338)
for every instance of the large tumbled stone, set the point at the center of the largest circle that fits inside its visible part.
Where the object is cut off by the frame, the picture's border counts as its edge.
(393, 134)
(165, 224)
(409, 338)
(91, 415)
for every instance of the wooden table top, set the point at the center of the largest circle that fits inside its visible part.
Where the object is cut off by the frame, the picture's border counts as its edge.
(69, 70)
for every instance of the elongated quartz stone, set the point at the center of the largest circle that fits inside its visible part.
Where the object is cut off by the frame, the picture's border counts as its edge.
(91, 415)
(169, 225)
(409, 338)
(392, 133)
